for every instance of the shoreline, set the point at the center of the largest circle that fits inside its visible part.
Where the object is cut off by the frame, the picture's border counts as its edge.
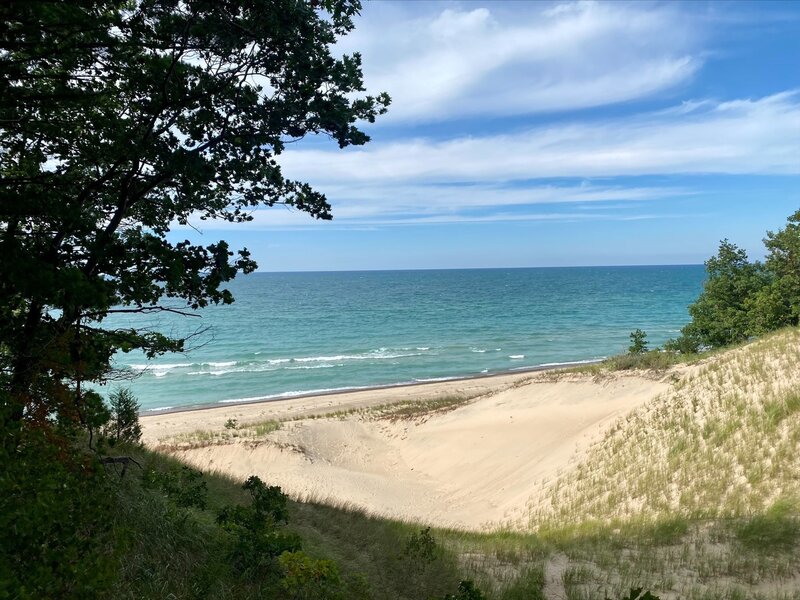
(153, 412)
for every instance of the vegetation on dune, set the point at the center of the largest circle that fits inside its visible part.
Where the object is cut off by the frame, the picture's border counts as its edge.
(742, 299)
(718, 443)
(706, 473)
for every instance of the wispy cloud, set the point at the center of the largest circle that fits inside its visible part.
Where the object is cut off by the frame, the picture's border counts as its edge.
(450, 63)
(503, 177)
(439, 204)
(760, 136)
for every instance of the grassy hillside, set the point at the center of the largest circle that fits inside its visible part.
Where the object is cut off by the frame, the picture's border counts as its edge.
(722, 442)
(695, 495)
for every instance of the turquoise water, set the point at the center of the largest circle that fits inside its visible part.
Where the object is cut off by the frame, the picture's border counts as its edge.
(295, 333)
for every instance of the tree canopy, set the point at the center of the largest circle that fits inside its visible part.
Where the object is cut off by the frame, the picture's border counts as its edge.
(118, 120)
(740, 298)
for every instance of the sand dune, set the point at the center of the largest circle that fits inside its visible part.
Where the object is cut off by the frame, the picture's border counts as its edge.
(478, 465)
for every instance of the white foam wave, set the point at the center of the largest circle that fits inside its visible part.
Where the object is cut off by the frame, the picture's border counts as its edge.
(434, 379)
(516, 356)
(478, 350)
(216, 373)
(159, 367)
(381, 354)
(294, 393)
(571, 362)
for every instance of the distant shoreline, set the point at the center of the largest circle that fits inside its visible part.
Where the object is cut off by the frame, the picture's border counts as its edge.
(153, 412)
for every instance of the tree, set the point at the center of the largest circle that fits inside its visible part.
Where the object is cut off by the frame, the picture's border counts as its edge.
(638, 342)
(721, 315)
(119, 119)
(778, 304)
(124, 423)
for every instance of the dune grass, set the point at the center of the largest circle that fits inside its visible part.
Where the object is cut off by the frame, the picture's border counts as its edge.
(402, 410)
(722, 442)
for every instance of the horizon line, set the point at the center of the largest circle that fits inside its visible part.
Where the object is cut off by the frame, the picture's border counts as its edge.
(478, 268)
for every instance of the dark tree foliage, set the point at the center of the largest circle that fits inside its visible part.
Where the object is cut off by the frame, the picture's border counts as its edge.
(123, 426)
(119, 119)
(466, 591)
(741, 299)
(258, 538)
(638, 342)
(56, 511)
(778, 305)
(720, 316)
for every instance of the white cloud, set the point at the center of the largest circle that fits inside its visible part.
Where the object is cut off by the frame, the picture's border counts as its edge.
(759, 136)
(434, 204)
(455, 63)
(499, 177)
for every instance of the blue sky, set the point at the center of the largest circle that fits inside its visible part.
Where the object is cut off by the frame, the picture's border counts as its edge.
(552, 134)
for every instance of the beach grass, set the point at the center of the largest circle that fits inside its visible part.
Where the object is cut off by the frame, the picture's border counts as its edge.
(401, 410)
(720, 442)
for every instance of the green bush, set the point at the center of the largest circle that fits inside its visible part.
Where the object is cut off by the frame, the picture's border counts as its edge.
(741, 299)
(123, 427)
(652, 359)
(184, 486)
(422, 546)
(638, 594)
(687, 343)
(638, 342)
(777, 529)
(466, 591)
(56, 514)
(257, 539)
(306, 578)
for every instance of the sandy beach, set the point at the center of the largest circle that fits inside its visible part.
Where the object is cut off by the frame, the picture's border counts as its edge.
(481, 464)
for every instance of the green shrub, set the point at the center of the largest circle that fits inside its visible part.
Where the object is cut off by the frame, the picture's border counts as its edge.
(686, 343)
(638, 342)
(638, 594)
(777, 529)
(306, 578)
(56, 514)
(257, 539)
(184, 486)
(466, 591)
(652, 359)
(422, 546)
(741, 299)
(123, 427)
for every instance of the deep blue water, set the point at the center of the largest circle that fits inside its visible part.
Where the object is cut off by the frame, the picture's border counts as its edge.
(292, 333)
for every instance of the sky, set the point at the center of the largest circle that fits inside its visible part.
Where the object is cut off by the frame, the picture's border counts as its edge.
(551, 134)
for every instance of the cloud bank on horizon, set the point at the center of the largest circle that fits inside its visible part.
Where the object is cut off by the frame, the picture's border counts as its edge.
(561, 113)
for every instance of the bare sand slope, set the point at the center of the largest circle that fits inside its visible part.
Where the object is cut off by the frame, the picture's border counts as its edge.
(475, 466)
